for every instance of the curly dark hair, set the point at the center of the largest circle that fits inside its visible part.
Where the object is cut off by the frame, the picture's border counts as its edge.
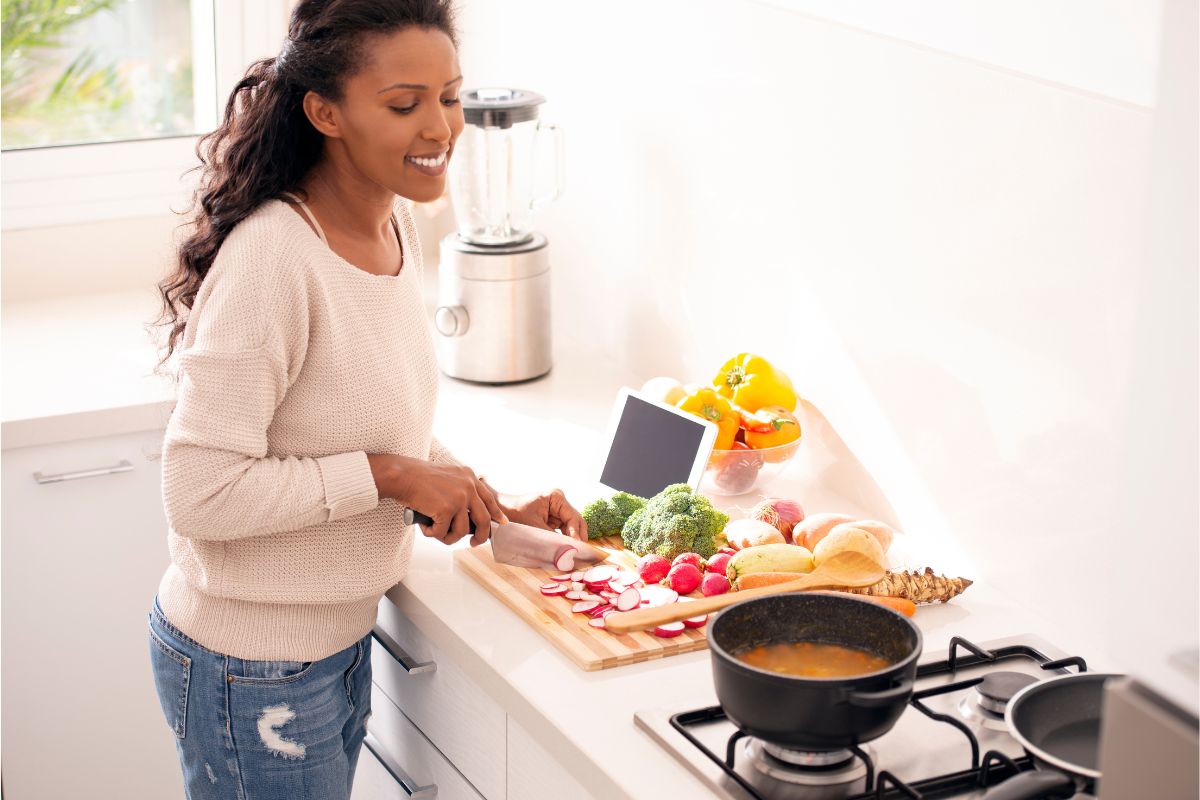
(265, 145)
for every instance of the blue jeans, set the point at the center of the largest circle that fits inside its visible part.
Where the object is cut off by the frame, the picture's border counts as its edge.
(261, 730)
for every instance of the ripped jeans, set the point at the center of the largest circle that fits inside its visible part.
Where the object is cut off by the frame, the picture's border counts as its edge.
(261, 730)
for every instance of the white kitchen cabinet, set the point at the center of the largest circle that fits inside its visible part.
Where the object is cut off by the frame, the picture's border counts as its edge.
(81, 561)
(458, 716)
(412, 766)
(372, 781)
(533, 774)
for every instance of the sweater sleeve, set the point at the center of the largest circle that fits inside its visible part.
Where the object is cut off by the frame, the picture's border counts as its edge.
(217, 480)
(439, 454)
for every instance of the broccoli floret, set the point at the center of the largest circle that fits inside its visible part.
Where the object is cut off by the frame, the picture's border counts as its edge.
(607, 516)
(627, 503)
(674, 521)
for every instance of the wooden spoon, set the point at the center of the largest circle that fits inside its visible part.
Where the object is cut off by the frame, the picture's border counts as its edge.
(847, 569)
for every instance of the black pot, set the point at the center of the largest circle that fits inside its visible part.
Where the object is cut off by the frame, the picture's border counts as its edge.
(813, 713)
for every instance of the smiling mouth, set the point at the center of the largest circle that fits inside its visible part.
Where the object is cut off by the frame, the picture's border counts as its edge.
(428, 163)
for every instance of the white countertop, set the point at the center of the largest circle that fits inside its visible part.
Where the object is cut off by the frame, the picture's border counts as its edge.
(78, 367)
(547, 434)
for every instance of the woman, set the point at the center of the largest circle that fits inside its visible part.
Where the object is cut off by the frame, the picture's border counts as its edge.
(307, 383)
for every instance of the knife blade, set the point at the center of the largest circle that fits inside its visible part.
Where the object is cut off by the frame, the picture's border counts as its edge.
(521, 545)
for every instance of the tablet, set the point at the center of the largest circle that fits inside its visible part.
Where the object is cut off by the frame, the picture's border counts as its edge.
(652, 445)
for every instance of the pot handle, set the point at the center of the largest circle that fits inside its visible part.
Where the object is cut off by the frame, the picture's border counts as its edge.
(1031, 785)
(877, 699)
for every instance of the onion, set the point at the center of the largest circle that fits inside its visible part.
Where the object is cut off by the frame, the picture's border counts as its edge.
(780, 513)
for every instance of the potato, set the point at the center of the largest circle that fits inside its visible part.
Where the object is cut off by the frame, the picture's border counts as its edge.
(811, 530)
(743, 533)
(880, 530)
(847, 537)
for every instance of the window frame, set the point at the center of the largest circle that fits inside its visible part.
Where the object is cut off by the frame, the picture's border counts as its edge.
(74, 184)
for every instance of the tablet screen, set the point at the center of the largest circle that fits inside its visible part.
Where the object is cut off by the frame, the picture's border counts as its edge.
(652, 448)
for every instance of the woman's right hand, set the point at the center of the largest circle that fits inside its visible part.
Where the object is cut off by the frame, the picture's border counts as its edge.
(452, 495)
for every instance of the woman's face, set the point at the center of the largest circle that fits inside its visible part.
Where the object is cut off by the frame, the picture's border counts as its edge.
(400, 115)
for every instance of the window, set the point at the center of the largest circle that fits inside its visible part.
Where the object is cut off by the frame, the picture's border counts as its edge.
(86, 71)
(103, 100)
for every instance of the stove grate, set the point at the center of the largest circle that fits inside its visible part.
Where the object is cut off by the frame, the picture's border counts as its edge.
(993, 768)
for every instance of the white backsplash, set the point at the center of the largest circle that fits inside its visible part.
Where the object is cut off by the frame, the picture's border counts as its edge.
(945, 256)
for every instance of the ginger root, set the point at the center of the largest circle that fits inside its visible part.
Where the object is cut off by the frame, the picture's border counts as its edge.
(920, 587)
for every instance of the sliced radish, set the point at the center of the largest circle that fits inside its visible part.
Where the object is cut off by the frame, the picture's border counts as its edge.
(628, 600)
(669, 629)
(600, 574)
(546, 586)
(557, 591)
(561, 578)
(584, 606)
(658, 595)
(577, 575)
(598, 587)
(574, 595)
(596, 622)
(564, 559)
(696, 622)
(577, 586)
(599, 611)
(610, 594)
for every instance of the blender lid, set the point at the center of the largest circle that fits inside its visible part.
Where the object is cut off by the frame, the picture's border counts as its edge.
(500, 108)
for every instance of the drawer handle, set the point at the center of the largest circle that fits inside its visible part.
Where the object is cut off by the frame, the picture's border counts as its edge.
(394, 769)
(122, 466)
(394, 650)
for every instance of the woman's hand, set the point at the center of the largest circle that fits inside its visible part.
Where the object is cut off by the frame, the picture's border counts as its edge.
(550, 511)
(453, 496)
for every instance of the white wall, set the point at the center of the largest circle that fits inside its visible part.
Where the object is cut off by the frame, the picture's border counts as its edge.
(945, 255)
(948, 257)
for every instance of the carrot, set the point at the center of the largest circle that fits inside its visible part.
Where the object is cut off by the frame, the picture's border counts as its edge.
(901, 604)
(755, 579)
(918, 586)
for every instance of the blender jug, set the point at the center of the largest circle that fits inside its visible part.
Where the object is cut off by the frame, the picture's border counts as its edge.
(494, 175)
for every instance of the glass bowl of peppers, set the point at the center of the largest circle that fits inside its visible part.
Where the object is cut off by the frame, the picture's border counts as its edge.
(752, 404)
(743, 469)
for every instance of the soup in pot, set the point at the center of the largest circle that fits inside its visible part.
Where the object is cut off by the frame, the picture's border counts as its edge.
(813, 659)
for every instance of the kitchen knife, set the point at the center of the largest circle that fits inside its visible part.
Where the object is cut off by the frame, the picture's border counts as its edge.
(526, 546)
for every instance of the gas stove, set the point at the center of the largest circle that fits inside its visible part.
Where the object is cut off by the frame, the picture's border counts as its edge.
(951, 742)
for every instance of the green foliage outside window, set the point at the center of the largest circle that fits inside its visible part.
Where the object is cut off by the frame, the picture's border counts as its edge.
(57, 86)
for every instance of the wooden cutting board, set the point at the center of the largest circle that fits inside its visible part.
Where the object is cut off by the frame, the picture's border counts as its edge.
(590, 648)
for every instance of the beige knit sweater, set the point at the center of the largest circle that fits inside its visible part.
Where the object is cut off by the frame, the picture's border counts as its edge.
(293, 366)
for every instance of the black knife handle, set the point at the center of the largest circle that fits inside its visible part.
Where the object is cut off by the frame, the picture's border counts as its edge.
(422, 519)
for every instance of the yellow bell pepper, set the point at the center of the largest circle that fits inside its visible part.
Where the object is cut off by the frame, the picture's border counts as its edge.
(705, 403)
(752, 383)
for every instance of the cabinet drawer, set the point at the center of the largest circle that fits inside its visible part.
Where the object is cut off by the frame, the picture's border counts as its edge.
(533, 774)
(411, 765)
(459, 718)
(372, 781)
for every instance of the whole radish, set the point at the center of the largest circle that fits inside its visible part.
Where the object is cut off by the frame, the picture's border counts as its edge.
(653, 568)
(719, 562)
(684, 578)
(689, 558)
(714, 583)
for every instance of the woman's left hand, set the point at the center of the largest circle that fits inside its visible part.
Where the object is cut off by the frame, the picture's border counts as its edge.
(550, 511)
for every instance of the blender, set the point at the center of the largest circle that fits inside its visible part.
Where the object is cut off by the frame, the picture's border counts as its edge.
(493, 314)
